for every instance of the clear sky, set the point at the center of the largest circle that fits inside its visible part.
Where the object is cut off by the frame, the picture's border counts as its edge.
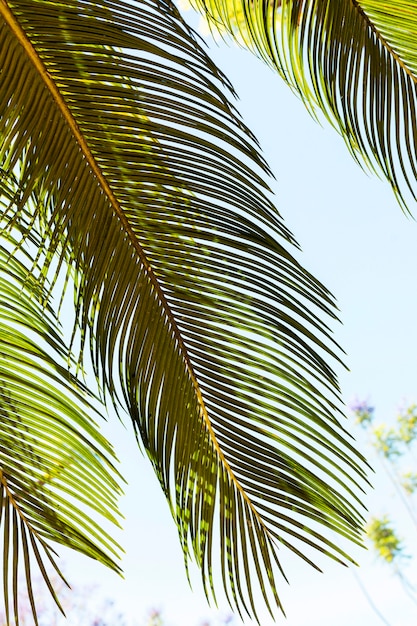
(356, 240)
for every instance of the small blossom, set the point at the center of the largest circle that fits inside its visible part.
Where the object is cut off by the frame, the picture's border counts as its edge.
(364, 413)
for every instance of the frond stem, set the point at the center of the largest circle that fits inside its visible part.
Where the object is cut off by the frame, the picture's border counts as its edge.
(384, 41)
(33, 56)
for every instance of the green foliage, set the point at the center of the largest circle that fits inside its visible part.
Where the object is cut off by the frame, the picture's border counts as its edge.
(407, 425)
(394, 446)
(390, 442)
(356, 62)
(127, 176)
(386, 441)
(132, 192)
(409, 482)
(388, 546)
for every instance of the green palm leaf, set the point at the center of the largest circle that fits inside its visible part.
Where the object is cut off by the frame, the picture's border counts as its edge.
(356, 60)
(56, 471)
(137, 175)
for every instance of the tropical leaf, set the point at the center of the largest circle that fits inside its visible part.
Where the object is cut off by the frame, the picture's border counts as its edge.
(137, 174)
(356, 60)
(56, 470)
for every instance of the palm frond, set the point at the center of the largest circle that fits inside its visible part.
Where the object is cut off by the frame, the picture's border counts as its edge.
(199, 319)
(56, 470)
(356, 60)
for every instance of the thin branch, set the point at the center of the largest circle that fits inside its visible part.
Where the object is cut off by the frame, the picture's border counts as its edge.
(369, 599)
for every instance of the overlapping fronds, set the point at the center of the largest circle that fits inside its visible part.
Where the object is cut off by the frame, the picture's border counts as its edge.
(56, 470)
(356, 60)
(199, 319)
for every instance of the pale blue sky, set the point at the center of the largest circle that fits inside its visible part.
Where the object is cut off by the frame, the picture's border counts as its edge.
(356, 240)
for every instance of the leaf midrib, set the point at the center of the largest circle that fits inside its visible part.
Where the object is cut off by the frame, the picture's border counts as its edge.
(384, 41)
(50, 84)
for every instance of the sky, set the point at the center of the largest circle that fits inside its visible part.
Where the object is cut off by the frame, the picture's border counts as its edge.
(356, 240)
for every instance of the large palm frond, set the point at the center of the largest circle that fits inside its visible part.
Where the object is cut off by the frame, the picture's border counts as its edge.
(356, 60)
(135, 171)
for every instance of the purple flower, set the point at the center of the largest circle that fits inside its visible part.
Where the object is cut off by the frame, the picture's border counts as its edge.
(363, 411)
